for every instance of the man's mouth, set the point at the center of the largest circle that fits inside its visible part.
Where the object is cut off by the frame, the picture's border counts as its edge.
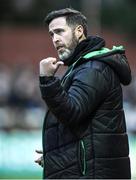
(59, 48)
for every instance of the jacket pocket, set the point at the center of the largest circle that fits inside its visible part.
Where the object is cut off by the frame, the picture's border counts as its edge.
(82, 157)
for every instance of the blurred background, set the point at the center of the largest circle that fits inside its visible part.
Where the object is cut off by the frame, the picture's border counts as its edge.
(24, 41)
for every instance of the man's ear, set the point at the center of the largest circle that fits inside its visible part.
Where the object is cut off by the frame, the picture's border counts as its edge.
(79, 32)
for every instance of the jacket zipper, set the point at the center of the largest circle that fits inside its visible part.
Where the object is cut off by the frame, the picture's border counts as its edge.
(71, 69)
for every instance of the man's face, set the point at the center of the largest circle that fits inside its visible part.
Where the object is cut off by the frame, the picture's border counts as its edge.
(63, 37)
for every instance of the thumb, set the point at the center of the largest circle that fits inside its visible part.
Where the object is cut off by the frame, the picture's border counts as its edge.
(39, 151)
(59, 63)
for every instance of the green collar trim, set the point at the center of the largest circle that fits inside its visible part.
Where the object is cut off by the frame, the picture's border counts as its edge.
(103, 51)
(93, 54)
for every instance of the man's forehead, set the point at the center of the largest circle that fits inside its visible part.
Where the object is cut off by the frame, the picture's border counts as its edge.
(58, 23)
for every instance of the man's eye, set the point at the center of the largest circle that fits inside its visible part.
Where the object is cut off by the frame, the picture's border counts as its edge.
(59, 31)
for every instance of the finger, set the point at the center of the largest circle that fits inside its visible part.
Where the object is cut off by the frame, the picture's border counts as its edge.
(40, 162)
(37, 161)
(39, 151)
(51, 59)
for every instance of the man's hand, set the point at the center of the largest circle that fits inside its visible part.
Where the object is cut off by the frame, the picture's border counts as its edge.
(49, 66)
(40, 160)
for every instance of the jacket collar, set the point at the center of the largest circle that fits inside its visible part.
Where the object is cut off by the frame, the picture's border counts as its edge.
(90, 44)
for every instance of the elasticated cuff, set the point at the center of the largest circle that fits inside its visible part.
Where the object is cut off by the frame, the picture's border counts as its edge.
(50, 87)
(46, 79)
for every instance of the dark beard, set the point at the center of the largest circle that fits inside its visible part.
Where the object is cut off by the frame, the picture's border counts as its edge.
(74, 43)
(71, 48)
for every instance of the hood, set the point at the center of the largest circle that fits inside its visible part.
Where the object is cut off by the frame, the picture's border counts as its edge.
(116, 59)
(93, 48)
(118, 62)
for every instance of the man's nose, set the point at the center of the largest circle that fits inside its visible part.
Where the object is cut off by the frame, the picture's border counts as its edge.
(56, 38)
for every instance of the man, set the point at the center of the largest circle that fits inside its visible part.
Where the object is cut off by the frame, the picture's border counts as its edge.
(84, 131)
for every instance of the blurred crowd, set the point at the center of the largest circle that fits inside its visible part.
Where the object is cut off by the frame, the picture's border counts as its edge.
(22, 107)
(20, 102)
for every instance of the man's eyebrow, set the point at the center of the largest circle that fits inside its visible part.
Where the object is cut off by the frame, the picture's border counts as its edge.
(51, 31)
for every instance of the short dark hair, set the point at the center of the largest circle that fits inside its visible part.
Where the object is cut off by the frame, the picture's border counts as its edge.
(73, 18)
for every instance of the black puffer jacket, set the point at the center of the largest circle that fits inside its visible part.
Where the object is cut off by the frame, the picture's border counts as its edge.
(84, 132)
